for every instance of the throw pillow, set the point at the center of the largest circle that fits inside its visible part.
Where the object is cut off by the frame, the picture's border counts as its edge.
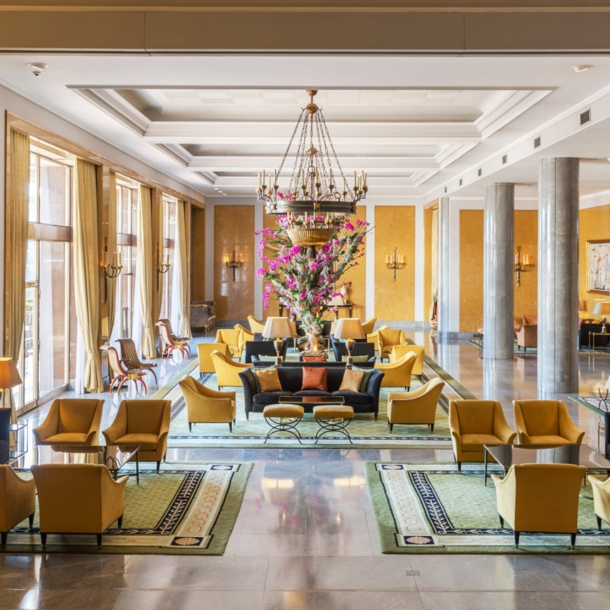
(365, 378)
(314, 358)
(356, 358)
(269, 380)
(315, 378)
(351, 381)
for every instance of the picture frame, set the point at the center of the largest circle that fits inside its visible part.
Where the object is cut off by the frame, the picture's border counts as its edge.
(598, 266)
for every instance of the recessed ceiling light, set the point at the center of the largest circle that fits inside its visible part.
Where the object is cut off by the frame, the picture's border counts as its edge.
(582, 68)
(37, 68)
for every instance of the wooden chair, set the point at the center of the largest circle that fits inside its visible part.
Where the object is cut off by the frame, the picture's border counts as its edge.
(130, 358)
(172, 344)
(173, 335)
(122, 374)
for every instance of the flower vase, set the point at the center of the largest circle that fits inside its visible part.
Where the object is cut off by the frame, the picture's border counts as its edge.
(313, 339)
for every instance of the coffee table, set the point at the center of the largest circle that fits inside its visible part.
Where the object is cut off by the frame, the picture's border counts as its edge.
(113, 457)
(309, 402)
(580, 455)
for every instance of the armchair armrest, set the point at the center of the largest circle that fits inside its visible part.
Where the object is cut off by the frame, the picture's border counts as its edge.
(569, 430)
(505, 433)
(49, 425)
(117, 429)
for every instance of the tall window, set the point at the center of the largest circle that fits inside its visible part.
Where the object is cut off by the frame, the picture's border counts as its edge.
(45, 360)
(168, 250)
(127, 229)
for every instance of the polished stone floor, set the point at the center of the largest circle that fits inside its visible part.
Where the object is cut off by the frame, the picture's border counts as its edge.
(315, 545)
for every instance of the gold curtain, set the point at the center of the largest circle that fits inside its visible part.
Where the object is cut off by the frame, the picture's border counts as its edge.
(434, 262)
(157, 228)
(16, 244)
(180, 257)
(112, 248)
(87, 271)
(145, 270)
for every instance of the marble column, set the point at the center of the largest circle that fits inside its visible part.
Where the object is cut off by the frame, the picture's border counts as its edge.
(498, 271)
(557, 276)
(444, 259)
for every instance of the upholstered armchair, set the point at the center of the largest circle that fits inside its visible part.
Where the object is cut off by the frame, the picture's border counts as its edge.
(417, 407)
(227, 371)
(144, 423)
(398, 351)
(374, 337)
(527, 335)
(256, 326)
(601, 499)
(398, 374)
(369, 326)
(78, 499)
(206, 406)
(388, 338)
(231, 337)
(17, 500)
(204, 351)
(541, 498)
(71, 421)
(545, 422)
(474, 423)
(244, 335)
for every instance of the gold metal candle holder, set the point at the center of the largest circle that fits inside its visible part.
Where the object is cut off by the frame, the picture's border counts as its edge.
(111, 270)
(395, 261)
(522, 265)
(233, 261)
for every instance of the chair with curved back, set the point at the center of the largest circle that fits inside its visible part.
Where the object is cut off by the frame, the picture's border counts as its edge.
(545, 422)
(244, 336)
(174, 336)
(204, 351)
(171, 345)
(256, 326)
(388, 338)
(416, 407)
(206, 406)
(17, 500)
(131, 360)
(398, 351)
(374, 337)
(227, 370)
(71, 421)
(121, 374)
(398, 374)
(369, 326)
(230, 337)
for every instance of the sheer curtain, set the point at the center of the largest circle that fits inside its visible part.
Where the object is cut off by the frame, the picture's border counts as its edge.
(145, 272)
(112, 248)
(434, 263)
(16, 242)
(181, 270)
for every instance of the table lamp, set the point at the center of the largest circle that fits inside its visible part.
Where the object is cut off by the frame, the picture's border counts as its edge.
(9, 375)
(278, 328)
(349, 329)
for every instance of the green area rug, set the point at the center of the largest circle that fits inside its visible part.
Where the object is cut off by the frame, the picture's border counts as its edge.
(185, 509)
(433, 508)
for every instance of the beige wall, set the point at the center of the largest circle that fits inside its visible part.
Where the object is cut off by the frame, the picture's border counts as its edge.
(394, 227)
(234, 230)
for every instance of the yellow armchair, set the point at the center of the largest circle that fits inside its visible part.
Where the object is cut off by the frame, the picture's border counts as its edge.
(474, 423)
(601, 499)
(78, 499)
(227, 371)
(204, 351)
(417, 407)
(398, 374)
(540, 498)
(144, 423)
(244, 335)
(545, 422)
(374, 337)
(230, 337)
(398, 351)
(256, 326)
(369, 326)
(388, 338)
(71, 421)
(206, 406)
(17, 500)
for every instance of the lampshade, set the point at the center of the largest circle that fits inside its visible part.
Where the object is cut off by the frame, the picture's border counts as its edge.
(349, 328)
(9, 375)
(277, 328)
(601, 308)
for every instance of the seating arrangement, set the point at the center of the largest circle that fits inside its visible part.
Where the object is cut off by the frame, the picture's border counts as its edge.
(474, 423)
(78, 499)
(540, 498)
(204, 352)
(227, 371)
(129, 357)
(206, 406)
(417, 407)
(144, 423)
(387, 339)
(122, 374)
(545, 422)
(230, 337)
(398, 374)
(71, 421)
(398, 351)
(17, 501)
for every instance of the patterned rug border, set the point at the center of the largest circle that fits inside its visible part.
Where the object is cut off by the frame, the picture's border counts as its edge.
(388, 530)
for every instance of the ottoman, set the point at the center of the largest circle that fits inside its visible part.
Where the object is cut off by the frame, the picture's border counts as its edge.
(332, 418)
(283, 418)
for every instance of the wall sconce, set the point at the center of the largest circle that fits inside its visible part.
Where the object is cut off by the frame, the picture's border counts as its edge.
(162, 265)
(233, 262)
(395, 261)
(521, 266)
(111, 270)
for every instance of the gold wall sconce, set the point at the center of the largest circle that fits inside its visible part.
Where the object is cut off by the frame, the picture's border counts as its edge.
(522, 264)
(233, 261)
(163, 265)
(113, 269)
(395, 261)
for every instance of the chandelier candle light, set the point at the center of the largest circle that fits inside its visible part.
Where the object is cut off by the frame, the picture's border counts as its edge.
(395, 261)
(111, 270)
(162, 265)
(233, 261)
(522, 265)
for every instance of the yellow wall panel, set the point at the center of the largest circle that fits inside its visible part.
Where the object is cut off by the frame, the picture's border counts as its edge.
(198, 254)
(428, 212)
(270, 222)
(234, 230)
(471, 270)
(394, 227)
(526, 236)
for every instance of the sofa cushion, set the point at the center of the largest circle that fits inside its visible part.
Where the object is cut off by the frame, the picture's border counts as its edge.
(71, 438)
(475, 442)
(351, 381)
(549, 439)
(314, 379)
(269, 398)
(147, 442)
(368, 373)
(353, 398)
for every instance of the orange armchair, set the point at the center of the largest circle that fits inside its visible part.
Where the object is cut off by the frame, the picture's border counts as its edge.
(545, 422)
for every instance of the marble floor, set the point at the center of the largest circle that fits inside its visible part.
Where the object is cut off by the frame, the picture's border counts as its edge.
(316, 547)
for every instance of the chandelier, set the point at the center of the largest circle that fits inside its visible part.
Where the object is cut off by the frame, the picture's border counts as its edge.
(314, 186)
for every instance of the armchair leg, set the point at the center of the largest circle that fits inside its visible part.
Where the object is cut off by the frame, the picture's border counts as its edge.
(99, 539)
(158, 466)
(4, 536)
(31, 520)
(517, 539)
(501, 521)
(230, 426)
(190, 427)
(43, 539)
(599, 522)
(431, 427)
(459, 465)
(572, 540)
(391, 427)
(120, 522)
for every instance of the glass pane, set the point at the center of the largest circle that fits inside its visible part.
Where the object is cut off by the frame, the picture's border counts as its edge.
(54, 192)
(126, 210)
(33, 191)
(124, 301)
(31, 307)
(52, 324)
(30, 262)
(134, 210)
